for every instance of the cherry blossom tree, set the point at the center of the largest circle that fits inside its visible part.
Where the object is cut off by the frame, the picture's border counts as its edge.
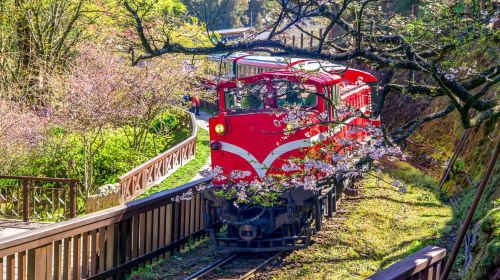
(93, 102)
(21, 131)
(435, 50)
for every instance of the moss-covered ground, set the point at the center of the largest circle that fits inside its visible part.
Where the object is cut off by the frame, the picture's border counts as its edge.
(385, 225)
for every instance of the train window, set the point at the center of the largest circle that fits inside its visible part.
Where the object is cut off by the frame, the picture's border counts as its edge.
(270, 95)
(241, 100)
(290, 94)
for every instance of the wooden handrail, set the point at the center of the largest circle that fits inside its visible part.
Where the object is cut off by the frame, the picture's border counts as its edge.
(157, 169)
(425, 263)
(109, 242)
(25, 240)
(39, 179)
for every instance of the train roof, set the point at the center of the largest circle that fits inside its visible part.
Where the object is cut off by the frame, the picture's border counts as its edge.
(318, 78)
(304, 64)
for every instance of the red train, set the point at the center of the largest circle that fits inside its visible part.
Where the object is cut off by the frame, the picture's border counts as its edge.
(251, 145)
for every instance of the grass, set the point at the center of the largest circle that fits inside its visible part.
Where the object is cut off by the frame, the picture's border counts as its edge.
(186, 173)
(385, 226)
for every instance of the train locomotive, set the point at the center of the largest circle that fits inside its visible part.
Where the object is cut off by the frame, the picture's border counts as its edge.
(244, 136)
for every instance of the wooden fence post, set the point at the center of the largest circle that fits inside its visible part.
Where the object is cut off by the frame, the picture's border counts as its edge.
(293, 41)
(454, 157)
(26, 200)
(301, 40)
(414, 10)
(72, 199)
(311, 40)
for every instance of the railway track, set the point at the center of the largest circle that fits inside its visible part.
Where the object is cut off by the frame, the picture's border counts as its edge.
(235, 266)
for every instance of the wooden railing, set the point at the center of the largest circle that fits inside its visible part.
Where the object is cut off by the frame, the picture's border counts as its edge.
(154, 171)
(425, 264)
(107, 244)
(37, 198)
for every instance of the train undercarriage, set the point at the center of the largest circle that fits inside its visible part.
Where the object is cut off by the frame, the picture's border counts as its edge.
(287, 226)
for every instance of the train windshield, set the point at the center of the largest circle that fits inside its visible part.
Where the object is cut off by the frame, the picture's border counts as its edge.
(277, 94)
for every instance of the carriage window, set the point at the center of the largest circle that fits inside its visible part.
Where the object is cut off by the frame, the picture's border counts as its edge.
(229, 68)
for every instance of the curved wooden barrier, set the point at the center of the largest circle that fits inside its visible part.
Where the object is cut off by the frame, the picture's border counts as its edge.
(109, 243)
(154, 171)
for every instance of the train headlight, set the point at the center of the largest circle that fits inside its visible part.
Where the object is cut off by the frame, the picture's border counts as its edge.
(220, 129)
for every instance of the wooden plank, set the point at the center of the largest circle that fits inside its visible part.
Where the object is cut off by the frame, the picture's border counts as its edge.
(85, 254)
(102, 249)
(198, 213)
(49, 250)
(1, 269)
(156, 221)
(192, 214)
(110, 247)
(142, 234)
(76, 256)
(11, 265)
(21, 265)
(93, 253)
(176, 223)
(33, 262)
(41, 264)
(66, 264)
(161, 232)
(168, 226)
(57, 260)
(182, 221)
(128, 241)
(135, 237)
(148, 232)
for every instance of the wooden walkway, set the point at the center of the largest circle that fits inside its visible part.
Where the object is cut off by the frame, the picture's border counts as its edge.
(13, 227)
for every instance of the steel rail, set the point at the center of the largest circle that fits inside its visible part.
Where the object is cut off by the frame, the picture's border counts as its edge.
(206, 270)
(211, 267)
(249, 274)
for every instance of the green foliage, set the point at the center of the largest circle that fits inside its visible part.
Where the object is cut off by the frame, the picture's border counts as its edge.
(410, 174)
(487, 251)
(115, 157)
